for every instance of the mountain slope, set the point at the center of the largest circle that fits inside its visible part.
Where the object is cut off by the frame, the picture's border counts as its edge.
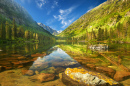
(11, 11)
(52, 31)
(111, 17)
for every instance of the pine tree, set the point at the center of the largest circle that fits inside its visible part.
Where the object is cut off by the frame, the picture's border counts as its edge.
(27, 34)
(119, 28)
(20, 32)
(3, 31)
(14, 30)
(111, 33)
(99, 34)
(106, 34)
(31, 35)
(7, 30)
(102, 34)
(34, 36)
(94, 35)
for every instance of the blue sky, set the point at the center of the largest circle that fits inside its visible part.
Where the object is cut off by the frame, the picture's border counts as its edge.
(58, 14)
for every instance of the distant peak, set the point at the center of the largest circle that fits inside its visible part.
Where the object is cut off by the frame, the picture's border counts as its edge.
(52, 31)
(59, 31)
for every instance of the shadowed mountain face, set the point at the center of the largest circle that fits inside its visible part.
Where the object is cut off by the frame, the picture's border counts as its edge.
(10, 10)
(52, 31)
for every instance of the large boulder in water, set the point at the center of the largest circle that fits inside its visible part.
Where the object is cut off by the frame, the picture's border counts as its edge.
(82, 77)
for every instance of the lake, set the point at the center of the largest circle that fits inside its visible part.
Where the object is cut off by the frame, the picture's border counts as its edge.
(21, 64)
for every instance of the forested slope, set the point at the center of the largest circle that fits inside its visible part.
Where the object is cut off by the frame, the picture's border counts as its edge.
(108, 21)
(16, 23)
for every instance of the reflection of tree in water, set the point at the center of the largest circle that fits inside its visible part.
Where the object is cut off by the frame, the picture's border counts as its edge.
(13, 48)
(36, 46)
(27, 48)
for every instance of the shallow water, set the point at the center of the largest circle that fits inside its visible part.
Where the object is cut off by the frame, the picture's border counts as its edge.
(54, 59)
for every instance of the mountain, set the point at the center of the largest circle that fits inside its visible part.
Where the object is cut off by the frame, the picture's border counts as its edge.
(11, 13)
(108, 21)
(52, 31)
(59, 31)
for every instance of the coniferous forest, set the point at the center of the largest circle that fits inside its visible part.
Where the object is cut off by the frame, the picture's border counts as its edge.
(19, 33)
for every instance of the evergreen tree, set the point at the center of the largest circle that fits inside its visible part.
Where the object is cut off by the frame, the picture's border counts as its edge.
(7, 30)
(102, 34)
(31, 35)
(20, 32)
(106, 34)
(34, 36)
(1, 26)
(94, 35)
(111, 33)
(119, 28)
(14, 30)
(27, 34)
(3, 31)
(99, 34)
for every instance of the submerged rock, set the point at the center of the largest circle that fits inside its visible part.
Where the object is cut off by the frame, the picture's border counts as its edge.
(59, 70)
(27, 72)
(50, 70)
(99, 47)
(121, 75)
(106, 70)
(45, 77)
(82, 77)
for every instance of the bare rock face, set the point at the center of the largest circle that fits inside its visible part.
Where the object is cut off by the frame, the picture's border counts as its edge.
(82, 77)
(43, 77)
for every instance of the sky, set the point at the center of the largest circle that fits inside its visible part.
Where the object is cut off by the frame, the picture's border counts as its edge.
(58, 14)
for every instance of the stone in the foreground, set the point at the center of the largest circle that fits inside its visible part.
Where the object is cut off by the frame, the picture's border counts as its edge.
(43, 77)
(82, 77)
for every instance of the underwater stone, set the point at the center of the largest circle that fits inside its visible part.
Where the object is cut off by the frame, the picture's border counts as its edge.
(46, 77)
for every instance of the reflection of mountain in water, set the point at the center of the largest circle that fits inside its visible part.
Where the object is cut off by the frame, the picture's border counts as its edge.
(55, 58)
(51, 50)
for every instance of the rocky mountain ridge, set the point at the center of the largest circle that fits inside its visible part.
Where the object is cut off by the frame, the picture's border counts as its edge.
(52, 31)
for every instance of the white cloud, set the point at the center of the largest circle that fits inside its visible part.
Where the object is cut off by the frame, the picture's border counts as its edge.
(40, 3)
(64, 16)
(55, 3)
(90, 8)
(55, 16)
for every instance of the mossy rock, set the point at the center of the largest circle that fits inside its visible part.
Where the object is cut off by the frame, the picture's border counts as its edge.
(50, 70)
